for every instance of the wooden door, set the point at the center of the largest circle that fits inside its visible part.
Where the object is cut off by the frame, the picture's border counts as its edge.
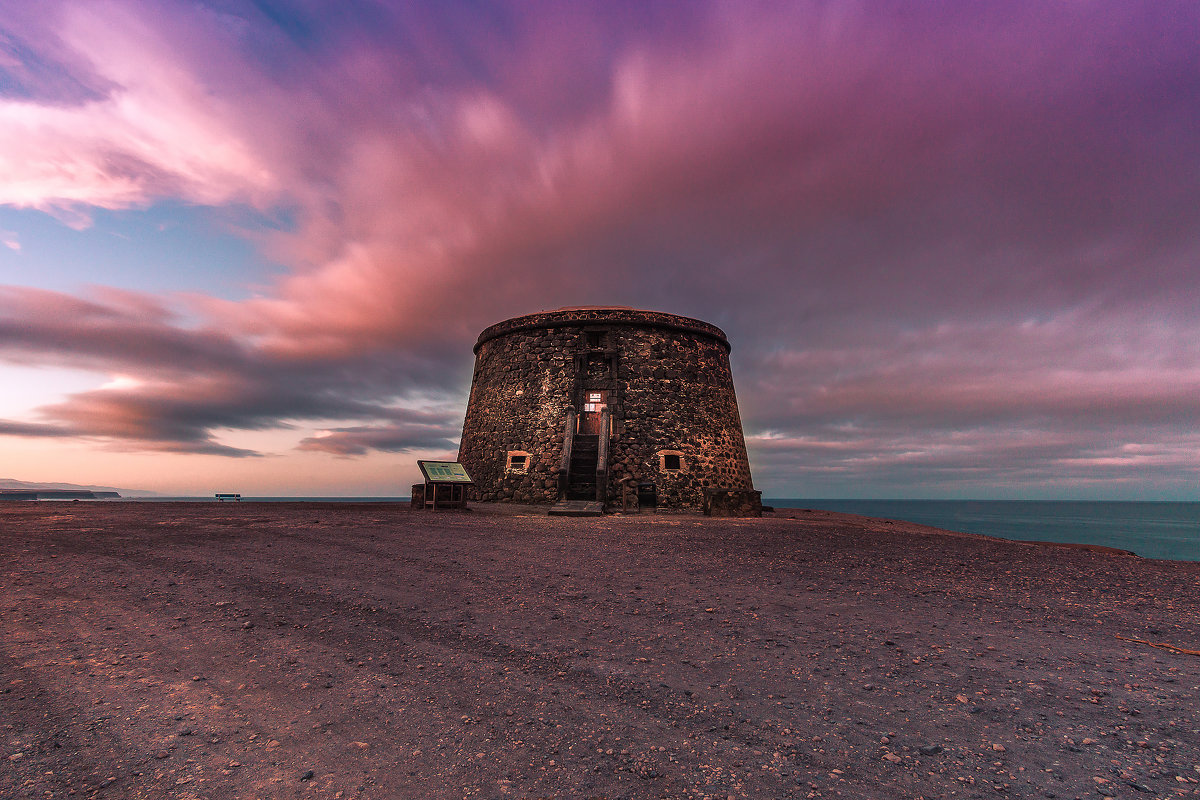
(594, 402)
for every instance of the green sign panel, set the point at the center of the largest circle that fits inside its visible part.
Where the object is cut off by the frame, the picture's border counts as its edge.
(444, 472)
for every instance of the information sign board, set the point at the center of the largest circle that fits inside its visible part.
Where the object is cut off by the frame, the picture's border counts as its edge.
(444, 472)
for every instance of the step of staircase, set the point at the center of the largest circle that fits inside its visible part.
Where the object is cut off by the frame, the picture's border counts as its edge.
(581, 478)
(576, 508)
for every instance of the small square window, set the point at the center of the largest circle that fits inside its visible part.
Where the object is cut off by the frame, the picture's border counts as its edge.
(596, 338)
(517, 462)
(672, 462)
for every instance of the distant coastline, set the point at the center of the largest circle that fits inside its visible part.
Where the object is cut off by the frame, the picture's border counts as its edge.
(10, 485)
(57, 494)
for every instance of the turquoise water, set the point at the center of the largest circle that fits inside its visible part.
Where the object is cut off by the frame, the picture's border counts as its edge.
(1152, 530)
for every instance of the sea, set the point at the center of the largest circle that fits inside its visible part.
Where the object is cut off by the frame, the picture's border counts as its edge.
(1167, 530)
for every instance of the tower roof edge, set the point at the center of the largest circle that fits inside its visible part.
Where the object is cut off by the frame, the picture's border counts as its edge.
(575, 316)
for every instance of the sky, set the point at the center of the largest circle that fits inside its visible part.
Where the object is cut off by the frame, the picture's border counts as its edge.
(247, 246)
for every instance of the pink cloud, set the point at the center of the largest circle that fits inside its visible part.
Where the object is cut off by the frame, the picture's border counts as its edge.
(155, 131)
(816, 140)
(764, 127)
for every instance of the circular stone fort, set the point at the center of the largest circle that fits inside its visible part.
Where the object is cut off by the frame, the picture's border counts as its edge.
(600, 404)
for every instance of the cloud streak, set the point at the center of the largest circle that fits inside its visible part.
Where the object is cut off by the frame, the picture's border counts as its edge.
(180, 385)
(438, 432)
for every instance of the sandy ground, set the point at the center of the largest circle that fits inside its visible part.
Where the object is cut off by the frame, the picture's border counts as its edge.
(370, 651)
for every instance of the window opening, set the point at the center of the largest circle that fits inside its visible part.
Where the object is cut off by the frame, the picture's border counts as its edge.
(596, 338)
(671, 461)
(517, 462)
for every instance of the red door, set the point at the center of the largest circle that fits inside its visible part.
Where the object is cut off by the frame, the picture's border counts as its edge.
(594, 401)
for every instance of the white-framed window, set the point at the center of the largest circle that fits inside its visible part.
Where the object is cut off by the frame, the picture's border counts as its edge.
(517, 462)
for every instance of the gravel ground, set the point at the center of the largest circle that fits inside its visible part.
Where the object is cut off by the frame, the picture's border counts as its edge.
(155, 650)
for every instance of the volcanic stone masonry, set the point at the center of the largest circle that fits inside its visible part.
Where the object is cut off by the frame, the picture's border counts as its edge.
(594, 403)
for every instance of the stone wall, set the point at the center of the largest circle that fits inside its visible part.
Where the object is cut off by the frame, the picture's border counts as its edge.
(675, 419)
(732, 503)
(677, 399)
(519, 398)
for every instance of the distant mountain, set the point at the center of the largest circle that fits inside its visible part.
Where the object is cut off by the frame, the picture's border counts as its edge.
(12, 483)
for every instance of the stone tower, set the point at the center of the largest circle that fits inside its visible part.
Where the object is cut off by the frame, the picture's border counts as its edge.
(568, 404)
